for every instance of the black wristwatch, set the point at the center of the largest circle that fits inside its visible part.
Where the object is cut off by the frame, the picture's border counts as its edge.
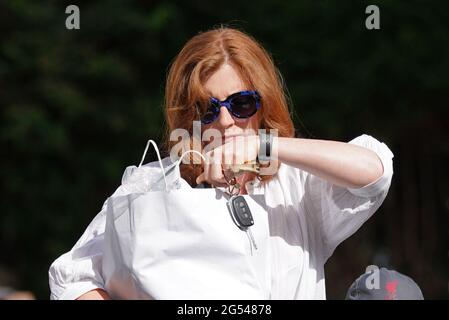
(266, 143)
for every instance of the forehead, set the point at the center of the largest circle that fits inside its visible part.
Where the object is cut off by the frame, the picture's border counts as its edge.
(224, 82)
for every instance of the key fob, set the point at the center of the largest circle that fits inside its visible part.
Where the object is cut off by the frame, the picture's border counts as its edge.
(240, 212)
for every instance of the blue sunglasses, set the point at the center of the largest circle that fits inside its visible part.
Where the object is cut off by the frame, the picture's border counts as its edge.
(242, 105)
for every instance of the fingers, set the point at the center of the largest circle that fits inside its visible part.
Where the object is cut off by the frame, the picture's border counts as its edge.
(213, 171)
(200, 179)
(216, 175)
(219, 159)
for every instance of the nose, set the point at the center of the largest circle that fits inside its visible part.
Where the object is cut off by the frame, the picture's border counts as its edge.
(225, 119)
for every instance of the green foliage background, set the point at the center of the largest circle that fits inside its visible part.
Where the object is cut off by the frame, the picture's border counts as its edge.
(78, 106)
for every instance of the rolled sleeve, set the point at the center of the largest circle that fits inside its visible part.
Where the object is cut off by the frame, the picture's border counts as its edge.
(75, 290)
(382, 184)
(70, 277)
(80, 270)
(338, 211)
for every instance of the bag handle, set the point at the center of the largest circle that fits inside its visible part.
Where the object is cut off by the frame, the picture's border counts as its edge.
(188, 151)
(160, 160)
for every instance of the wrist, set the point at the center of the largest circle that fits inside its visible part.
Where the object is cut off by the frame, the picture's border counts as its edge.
(265, 144)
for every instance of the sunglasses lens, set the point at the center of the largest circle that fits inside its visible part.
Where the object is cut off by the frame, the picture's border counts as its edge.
(211, 113)
(244, 106)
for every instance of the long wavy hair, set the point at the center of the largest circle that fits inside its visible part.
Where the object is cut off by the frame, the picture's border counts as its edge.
(200, 57)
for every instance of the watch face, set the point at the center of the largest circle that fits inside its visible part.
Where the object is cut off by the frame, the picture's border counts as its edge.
(241, 212)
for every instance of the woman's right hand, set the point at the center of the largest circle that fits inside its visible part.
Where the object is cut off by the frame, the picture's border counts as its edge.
(96, 294)
(235, 151)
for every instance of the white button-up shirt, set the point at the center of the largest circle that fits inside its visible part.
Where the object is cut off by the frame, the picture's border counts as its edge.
(307, 216)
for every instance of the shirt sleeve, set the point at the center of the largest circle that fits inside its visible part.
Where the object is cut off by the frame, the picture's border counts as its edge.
(340, 212)
(79, 270)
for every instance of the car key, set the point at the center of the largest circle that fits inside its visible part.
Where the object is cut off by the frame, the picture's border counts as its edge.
(242, 216)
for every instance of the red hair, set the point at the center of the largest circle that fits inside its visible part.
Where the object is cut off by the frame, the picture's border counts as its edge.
(200, 57)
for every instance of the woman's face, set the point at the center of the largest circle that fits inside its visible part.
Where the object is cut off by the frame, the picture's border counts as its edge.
(224, 82)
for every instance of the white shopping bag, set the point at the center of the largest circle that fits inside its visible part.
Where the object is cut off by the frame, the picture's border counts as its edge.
(177, 242)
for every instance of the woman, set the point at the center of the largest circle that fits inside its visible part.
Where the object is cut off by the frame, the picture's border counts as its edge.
(319, 194)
